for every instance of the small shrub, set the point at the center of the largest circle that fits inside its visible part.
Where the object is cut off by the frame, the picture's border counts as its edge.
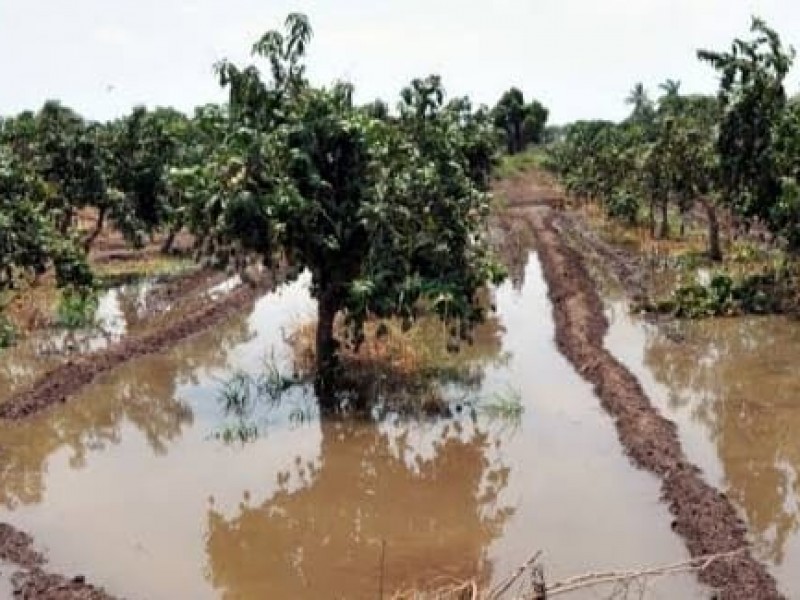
(8, 332)
(77, 308)
(624, 207)
(763, 293)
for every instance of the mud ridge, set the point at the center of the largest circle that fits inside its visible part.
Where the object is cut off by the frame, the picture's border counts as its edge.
(703, 517)
(32, 580)
(68, 378)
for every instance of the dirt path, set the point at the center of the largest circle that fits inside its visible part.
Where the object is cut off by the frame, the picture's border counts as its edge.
(704, 517)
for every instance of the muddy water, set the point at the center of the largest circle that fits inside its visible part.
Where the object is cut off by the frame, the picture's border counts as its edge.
(31, 357)
(126, 309)
(134, 484)
(733, 387)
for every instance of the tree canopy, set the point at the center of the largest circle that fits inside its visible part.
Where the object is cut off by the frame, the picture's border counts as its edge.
(386, 213)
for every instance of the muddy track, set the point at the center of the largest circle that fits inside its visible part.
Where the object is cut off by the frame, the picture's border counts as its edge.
(32, 580)
(703, 517)
(65, 380)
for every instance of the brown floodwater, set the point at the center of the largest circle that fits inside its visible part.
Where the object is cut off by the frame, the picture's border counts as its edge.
(31, 357)
(126, 309)
(138, 484)
(733, 388)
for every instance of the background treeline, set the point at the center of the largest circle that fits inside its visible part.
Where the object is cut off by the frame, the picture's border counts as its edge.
(738, 150)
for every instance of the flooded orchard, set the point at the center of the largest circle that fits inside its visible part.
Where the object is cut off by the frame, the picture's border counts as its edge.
(145, 482)
(732, 387)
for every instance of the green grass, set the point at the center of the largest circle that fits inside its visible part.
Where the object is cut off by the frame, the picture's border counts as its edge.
(118, 273)
(516, 164)
(504, 406)
(76, 309)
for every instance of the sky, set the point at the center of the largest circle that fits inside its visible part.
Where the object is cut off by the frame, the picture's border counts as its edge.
(579, 57)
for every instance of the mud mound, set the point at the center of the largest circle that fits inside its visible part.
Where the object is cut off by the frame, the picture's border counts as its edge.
(68, 378)
(704, 517)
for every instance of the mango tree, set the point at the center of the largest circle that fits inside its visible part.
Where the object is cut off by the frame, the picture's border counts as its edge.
(68, 157)
(521, 123)
(141, 148)
(752, 98)
(29, 241)
(785, 214)
(383, 213)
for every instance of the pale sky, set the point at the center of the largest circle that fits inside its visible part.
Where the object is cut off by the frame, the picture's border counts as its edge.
(579, 57)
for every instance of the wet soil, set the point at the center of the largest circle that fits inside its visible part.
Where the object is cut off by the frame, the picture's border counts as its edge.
(624, 266)
(111, 246)
(66, 379)
(32, 580)
(310, 520)
(703, 517)
(180, 291)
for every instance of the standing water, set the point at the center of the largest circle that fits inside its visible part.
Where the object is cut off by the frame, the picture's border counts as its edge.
(141, 482)
(732, 387)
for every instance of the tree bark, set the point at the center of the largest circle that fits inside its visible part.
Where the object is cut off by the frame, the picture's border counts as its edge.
(714, 246)
(326, 350)
(66, 222)
(166, 247)
(652, 217)
(98, 229)
(517, 137)
(663, 232)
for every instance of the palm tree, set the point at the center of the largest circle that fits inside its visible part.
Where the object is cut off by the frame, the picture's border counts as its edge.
(671, 88)
(642, 105)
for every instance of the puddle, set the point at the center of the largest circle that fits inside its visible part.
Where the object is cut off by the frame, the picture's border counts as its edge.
(31, 357)
(732, 386)
(132, 485)
(126, 309)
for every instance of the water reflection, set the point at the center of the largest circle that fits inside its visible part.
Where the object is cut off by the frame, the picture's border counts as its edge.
(128, 483)
(142, 394)
(325, 526)
(733, 387)
(739, 376)
(119, 310)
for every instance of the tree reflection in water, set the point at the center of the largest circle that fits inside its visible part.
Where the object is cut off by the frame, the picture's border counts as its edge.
(426, 487)
(739, 378)
(436, 511)
(141, 393)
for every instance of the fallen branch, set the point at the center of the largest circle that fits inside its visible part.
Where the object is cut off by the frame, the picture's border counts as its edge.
(505, 585)
(468, 590)
(593, 579)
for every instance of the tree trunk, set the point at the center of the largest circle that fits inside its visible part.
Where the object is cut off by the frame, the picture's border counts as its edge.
(166, 247)
(663, 232)
(66, 222)
(326, 351)
(714, 246)
(652, 217)
(98, 229)
(517, 137)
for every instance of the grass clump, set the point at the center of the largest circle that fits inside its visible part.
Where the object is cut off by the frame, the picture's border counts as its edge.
(517, 164)
(8, 333)
(77, 308)
(121, 272)
(405, 370)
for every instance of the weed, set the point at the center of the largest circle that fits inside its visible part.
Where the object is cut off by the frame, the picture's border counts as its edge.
(8, 333)
(505, 406)
(624, 207)
(516, 164)
(76, 308)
